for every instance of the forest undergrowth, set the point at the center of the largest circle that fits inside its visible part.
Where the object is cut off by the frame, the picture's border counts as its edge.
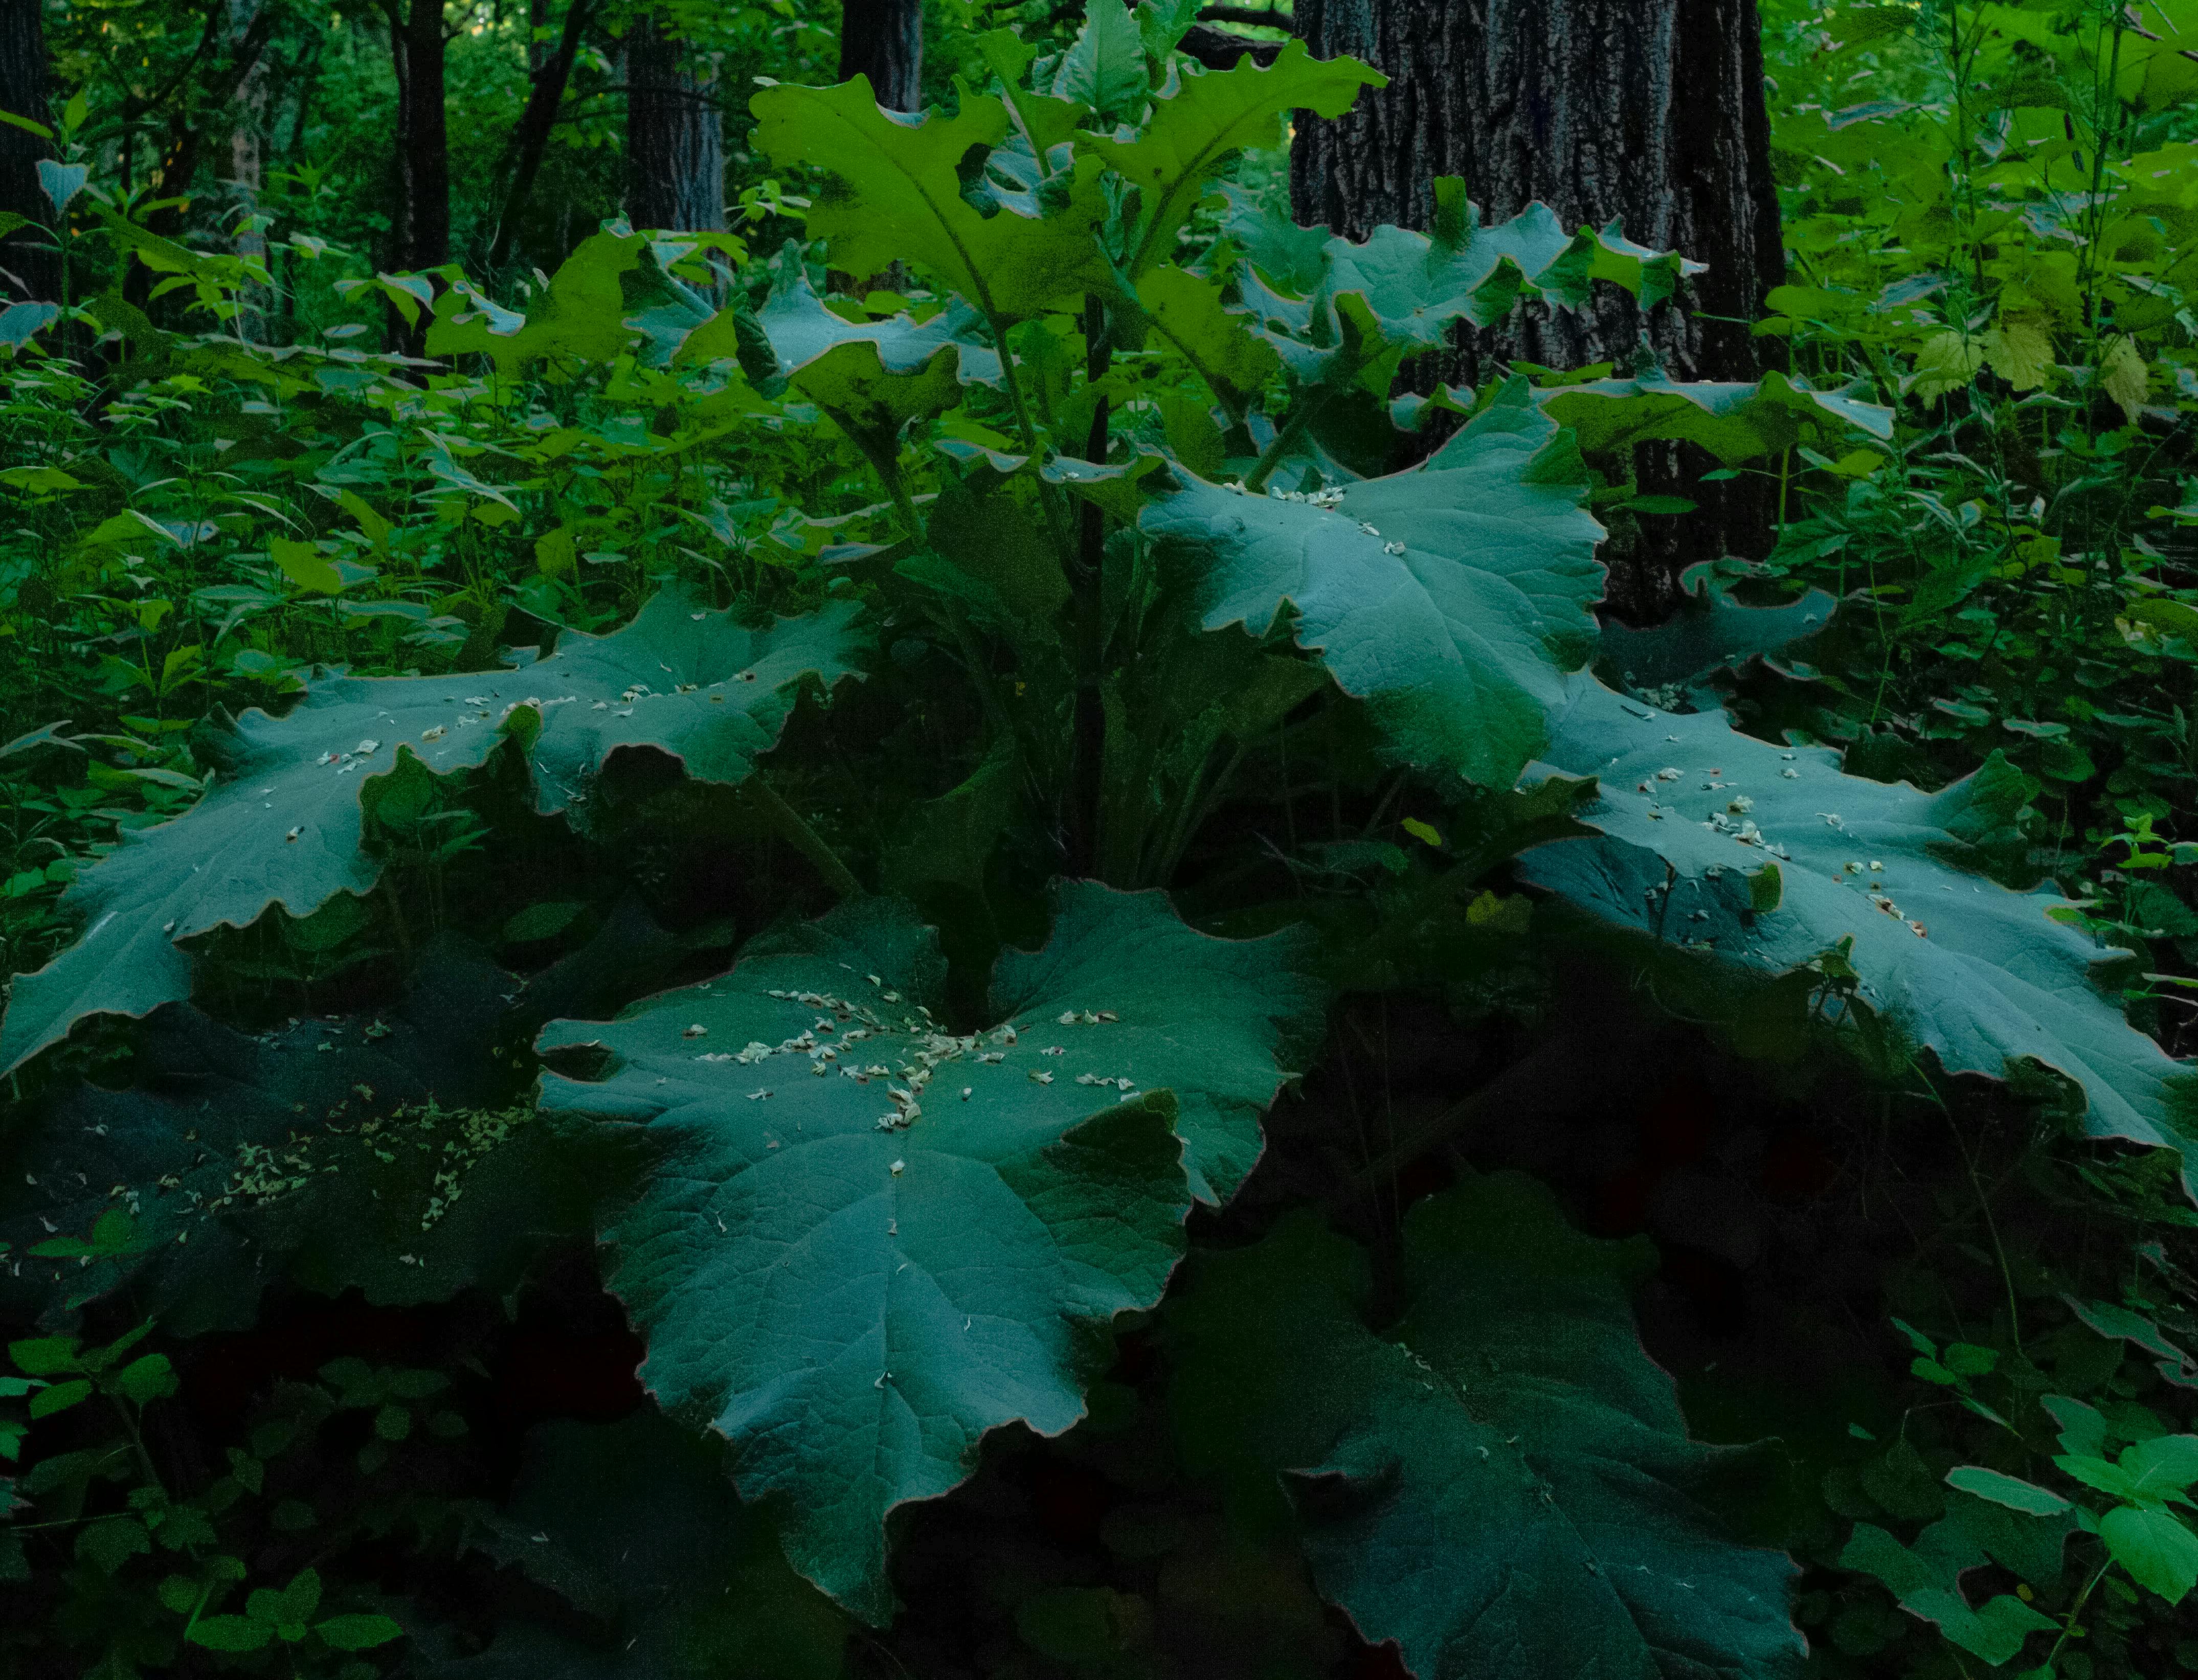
(936, 940)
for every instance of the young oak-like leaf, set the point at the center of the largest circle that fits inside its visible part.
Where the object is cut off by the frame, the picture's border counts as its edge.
(863, 1242)
(1209, 118)
(1451, 598)
(890, 194)
(282, 825)
(1502, 1482)
(1968, 969)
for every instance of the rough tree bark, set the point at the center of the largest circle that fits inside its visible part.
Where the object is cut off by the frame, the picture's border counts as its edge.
(30, 269)
(1649, 112)
(551, 75)
(421, 237)
(675, 144)
(883, 39)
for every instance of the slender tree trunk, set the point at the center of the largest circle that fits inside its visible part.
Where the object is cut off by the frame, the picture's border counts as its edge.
(29, 270)
(246, 146)
(421, 238)
(674, 150)
(531, 139)
(1648, 111)
(883, 39)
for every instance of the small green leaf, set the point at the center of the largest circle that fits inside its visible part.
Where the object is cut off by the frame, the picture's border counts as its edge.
(2003, 1490)
(304, 565)
(60, 1397)
(357, 1633)
(146, 1380)
(230, 1633)
(542, 921)
(2154, 1546)
(46, 1355)
(1425, 833)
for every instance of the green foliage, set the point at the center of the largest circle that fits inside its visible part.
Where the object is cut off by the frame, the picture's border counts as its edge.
(453, 890)
(1470, 1485)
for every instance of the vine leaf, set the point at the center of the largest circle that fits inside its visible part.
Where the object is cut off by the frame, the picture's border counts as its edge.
(283, 824)
(1211, 115)
(1500, 1482)
(863, 1242)
(1450, 597)
(1976, 973)
(891, 193)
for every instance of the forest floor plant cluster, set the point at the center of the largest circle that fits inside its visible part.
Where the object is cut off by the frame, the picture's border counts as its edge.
(881, 964)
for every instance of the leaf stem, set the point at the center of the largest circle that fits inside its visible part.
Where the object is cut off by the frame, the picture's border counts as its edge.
(797, 833)
(1308, 404)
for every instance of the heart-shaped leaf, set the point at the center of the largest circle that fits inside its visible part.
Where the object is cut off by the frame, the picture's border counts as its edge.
(283, 825)
(1501, 1483)
(864, 1241)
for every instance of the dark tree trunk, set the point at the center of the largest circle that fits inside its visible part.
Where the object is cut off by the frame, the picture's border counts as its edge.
(30, 268)
(883, 39)
(421, 237)
(1648, 111)
(675, 149)
(532, 137)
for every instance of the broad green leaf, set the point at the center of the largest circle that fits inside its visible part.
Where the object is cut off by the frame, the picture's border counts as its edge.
(866, 1242)
(1174, 160)
(1734, 422)
(1451, 598)
(634, 1525)
(1104, 67)
(358, 1632)
(799, 331)
(1709, 631)
(2155, 1546)
(230, 1633)
(1409, 289)
(1220, 344)
(2164, 1466)
(283, 826)
(582, 316)
(890, 194)
(1968, 969)
(1926, 1583)
(2011, 1492)
(304, 565)
(397, 1159)
(1500, 1482)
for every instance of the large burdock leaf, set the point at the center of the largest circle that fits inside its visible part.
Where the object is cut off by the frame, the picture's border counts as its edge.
(1407, 289)
(283, 826)
(864, 1241)
(1735, 421)
(1500, 1482)
(890, 194)
(389, 1154)
(1768, 855)
(1451, 598)
(1210, 116)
